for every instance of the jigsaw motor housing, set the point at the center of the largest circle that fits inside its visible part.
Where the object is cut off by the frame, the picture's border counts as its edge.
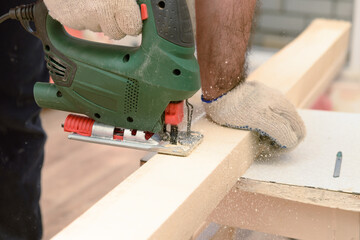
(128, 87)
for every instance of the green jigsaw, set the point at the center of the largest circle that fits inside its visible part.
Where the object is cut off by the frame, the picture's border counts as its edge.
(132, 96)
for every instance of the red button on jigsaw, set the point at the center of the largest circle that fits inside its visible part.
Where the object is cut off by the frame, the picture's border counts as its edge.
(144, 12)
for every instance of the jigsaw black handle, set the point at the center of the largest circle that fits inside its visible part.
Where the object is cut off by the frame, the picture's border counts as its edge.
(173, 22)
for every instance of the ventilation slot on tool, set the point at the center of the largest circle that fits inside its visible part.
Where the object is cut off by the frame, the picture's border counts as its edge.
(56, 69)
(131, 96)
(62, 70)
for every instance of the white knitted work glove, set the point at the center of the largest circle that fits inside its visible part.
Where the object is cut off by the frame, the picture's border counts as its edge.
(256, 107)
(116, 18)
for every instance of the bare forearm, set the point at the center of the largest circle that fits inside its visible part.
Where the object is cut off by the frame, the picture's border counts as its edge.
(223, 32)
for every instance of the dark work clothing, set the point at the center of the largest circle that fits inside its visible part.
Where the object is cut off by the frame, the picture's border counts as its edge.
(21, 135)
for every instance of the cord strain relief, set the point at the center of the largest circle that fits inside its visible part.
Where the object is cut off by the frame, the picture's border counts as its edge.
(23, 12)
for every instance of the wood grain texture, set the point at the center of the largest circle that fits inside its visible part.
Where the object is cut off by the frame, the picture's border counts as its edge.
(169, 197)
(313, 196)
(290, 218)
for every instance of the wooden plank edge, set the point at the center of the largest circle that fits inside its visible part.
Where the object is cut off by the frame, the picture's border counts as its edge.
(279, 216)
(314, 196)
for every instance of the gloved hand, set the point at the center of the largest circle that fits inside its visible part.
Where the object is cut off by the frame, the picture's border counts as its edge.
(116, 18)
(256, 107)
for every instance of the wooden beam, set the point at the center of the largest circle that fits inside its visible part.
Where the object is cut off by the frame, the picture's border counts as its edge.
(289, 214)
(305, 67)
(169, 197)
(307, 195)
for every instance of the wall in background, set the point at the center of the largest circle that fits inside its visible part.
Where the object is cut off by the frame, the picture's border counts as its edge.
(279, 21)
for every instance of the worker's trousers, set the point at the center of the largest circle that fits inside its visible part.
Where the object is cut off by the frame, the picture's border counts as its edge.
(21, 135)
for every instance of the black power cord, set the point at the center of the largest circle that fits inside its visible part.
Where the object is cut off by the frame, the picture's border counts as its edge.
(4, 17)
